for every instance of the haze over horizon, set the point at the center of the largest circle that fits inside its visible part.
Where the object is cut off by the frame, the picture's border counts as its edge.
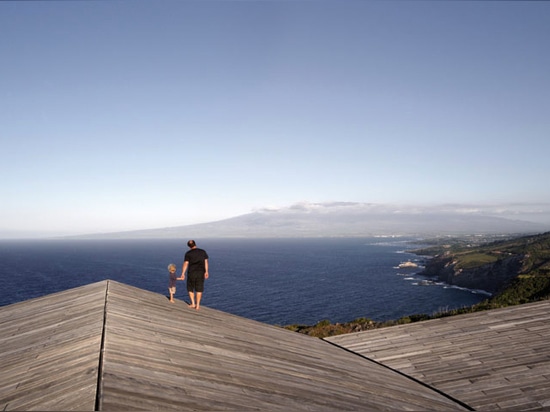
(120, 116)
(346, 219)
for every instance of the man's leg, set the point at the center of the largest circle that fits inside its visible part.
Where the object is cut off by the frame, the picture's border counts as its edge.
(192, 297)
(199, 297)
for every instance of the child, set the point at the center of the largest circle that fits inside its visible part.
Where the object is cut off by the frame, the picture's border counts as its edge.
(172, 281)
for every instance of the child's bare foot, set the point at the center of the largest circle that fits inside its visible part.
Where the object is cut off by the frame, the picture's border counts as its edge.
(171, 301)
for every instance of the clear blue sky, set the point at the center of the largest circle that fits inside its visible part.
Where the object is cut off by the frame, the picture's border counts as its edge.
(119, 115)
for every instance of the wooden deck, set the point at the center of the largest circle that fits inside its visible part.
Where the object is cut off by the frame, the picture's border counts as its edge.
(49, 351)
(109, 346)
(498, 359)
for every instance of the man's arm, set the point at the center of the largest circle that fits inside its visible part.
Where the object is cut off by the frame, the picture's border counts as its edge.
(206, 268)
(183, 269)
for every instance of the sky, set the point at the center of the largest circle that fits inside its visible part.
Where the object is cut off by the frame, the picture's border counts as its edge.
(120, 115)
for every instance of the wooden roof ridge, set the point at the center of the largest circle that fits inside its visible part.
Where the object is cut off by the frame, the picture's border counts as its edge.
(111, 346)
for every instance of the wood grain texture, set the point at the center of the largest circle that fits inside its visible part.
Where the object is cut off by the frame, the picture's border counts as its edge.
(110, 346)
(49, 350)
(498, 359)
(171, 357)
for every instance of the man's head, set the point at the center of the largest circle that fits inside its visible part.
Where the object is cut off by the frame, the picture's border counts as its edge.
(191, 244)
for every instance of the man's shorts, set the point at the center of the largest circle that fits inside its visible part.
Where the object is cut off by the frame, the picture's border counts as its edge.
(195, 283)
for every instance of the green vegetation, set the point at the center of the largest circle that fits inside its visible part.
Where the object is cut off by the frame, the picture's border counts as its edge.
(471, 260)
(531, 284)
(525, 289)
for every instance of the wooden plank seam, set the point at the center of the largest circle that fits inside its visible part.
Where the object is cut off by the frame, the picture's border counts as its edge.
(446, 395)
(99, 390)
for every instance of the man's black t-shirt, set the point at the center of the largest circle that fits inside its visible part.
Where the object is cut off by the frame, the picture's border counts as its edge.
(196, 258)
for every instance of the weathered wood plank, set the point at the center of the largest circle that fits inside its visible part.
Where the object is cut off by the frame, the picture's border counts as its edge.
(159, 355)
(194, 354)
(490, 360)
(49, 350)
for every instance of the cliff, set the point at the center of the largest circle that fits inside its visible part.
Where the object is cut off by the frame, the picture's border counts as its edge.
(491, 267)
(490, 277)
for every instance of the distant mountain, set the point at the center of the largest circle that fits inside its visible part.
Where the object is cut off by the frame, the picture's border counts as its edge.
(344, 219)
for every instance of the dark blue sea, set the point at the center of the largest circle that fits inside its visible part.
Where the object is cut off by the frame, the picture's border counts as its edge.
(276, 281)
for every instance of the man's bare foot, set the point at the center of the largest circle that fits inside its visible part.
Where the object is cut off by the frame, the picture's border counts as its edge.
(171, 301)
(192, 306)
(198, 307)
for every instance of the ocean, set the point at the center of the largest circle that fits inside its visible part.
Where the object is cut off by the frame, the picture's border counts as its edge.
(275, 281)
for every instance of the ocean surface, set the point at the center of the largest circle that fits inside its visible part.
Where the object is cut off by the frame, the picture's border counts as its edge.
(276, 281)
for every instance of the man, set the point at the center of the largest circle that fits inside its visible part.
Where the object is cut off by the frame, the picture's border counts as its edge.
(196, 265)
